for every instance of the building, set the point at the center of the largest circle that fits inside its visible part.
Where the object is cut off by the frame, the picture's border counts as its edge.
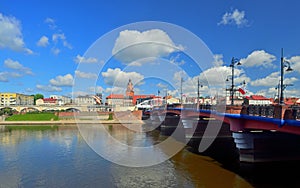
(128, 100)
(257, 100)
(46, 102)
(85, 100)
(62, 100)
(11, 99)
(115, 100)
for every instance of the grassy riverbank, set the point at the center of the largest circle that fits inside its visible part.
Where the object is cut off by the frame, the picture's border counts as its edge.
(33, 117)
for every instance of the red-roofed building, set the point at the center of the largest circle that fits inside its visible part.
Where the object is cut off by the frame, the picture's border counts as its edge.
(257, 100)
(115, 99)
(127, 100)
(47, 101)
(292, 101)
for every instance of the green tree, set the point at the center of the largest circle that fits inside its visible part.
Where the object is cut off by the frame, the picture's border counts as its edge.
(38, 96)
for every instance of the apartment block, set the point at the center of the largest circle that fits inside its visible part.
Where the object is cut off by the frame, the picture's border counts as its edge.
(13, 99)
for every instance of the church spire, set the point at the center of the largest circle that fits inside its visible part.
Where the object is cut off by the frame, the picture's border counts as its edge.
(129, 90)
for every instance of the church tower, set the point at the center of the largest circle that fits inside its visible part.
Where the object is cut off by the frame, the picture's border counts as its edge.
(129, 90)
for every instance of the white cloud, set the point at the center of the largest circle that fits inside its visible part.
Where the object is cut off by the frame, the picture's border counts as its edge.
(132, 45)
(55, 51)
(81, 59)
(5, 76)
(258, 58)
(51, 23)
(79, 93)
(223, 73)
(295, 63)
(218, 60)
(9, 63)
(211, 84)
(272, 80)
(96, 89)
(115, 90)
(235, 17)
(66, 80)
(10, 34)
(43, 41)
(48, 88)
(118, 78)
(85, 75)
(162, 86)
(56, 37)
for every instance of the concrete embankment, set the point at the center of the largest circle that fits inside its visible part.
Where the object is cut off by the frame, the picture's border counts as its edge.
(68, 122)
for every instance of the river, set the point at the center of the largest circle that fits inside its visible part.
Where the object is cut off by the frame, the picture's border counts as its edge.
(62, 158)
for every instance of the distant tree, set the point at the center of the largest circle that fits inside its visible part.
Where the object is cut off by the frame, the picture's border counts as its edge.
(38, 96)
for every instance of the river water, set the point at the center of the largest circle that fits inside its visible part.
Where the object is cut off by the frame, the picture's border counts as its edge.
(62, 158)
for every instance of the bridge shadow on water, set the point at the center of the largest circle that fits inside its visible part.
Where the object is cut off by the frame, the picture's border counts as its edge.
(224, 151)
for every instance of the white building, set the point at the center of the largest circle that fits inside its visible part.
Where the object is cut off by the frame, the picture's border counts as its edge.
(61, 100)
(257, 100)
(85, 100)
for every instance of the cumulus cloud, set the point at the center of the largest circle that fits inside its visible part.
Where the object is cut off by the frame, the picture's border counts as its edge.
(66, 80)
(235, 17)
(87, 75)
(9, 63)
(96, 89)
(118, 78)
(5, 76)
(258, 58)
(48, 88)
(132, 45)
(10, 34)
(209, 76)
(295, 60)
(43, 41)
(272, 80)
(51, 23)
(55, 51)
(56, 37)
(218, 60)
(81, 59)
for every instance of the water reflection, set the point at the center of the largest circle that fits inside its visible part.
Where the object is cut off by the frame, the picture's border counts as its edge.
(63, 159)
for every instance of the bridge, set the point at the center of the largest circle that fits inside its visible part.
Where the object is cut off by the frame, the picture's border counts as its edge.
(260, 133)
(30, 108)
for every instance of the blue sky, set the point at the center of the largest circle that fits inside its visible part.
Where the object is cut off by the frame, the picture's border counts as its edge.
(41, 43)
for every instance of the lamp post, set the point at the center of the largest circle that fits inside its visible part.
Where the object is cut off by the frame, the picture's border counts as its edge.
(278, 90)
(198, 92)
(234, 61)
(283, 63)
(181, 80)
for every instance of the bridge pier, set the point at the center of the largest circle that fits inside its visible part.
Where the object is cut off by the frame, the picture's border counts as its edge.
(266, 146)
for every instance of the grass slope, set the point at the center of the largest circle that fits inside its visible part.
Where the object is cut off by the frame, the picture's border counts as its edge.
(33, 117)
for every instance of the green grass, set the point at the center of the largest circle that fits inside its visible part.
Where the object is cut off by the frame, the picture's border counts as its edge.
(32, 117)
(32, 128)
(110, 116)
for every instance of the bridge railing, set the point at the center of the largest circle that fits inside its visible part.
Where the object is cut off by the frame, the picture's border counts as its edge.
(270, 111)
(260, 110)
(295, 112)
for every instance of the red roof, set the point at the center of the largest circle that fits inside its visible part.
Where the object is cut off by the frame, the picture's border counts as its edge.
(49, 100)
(115, 96)
(257, 97)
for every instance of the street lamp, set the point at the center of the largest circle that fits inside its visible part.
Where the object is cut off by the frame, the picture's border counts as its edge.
(181, 81)
(198, 92)
(278, 90)
(283, 63)
(234, 61)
